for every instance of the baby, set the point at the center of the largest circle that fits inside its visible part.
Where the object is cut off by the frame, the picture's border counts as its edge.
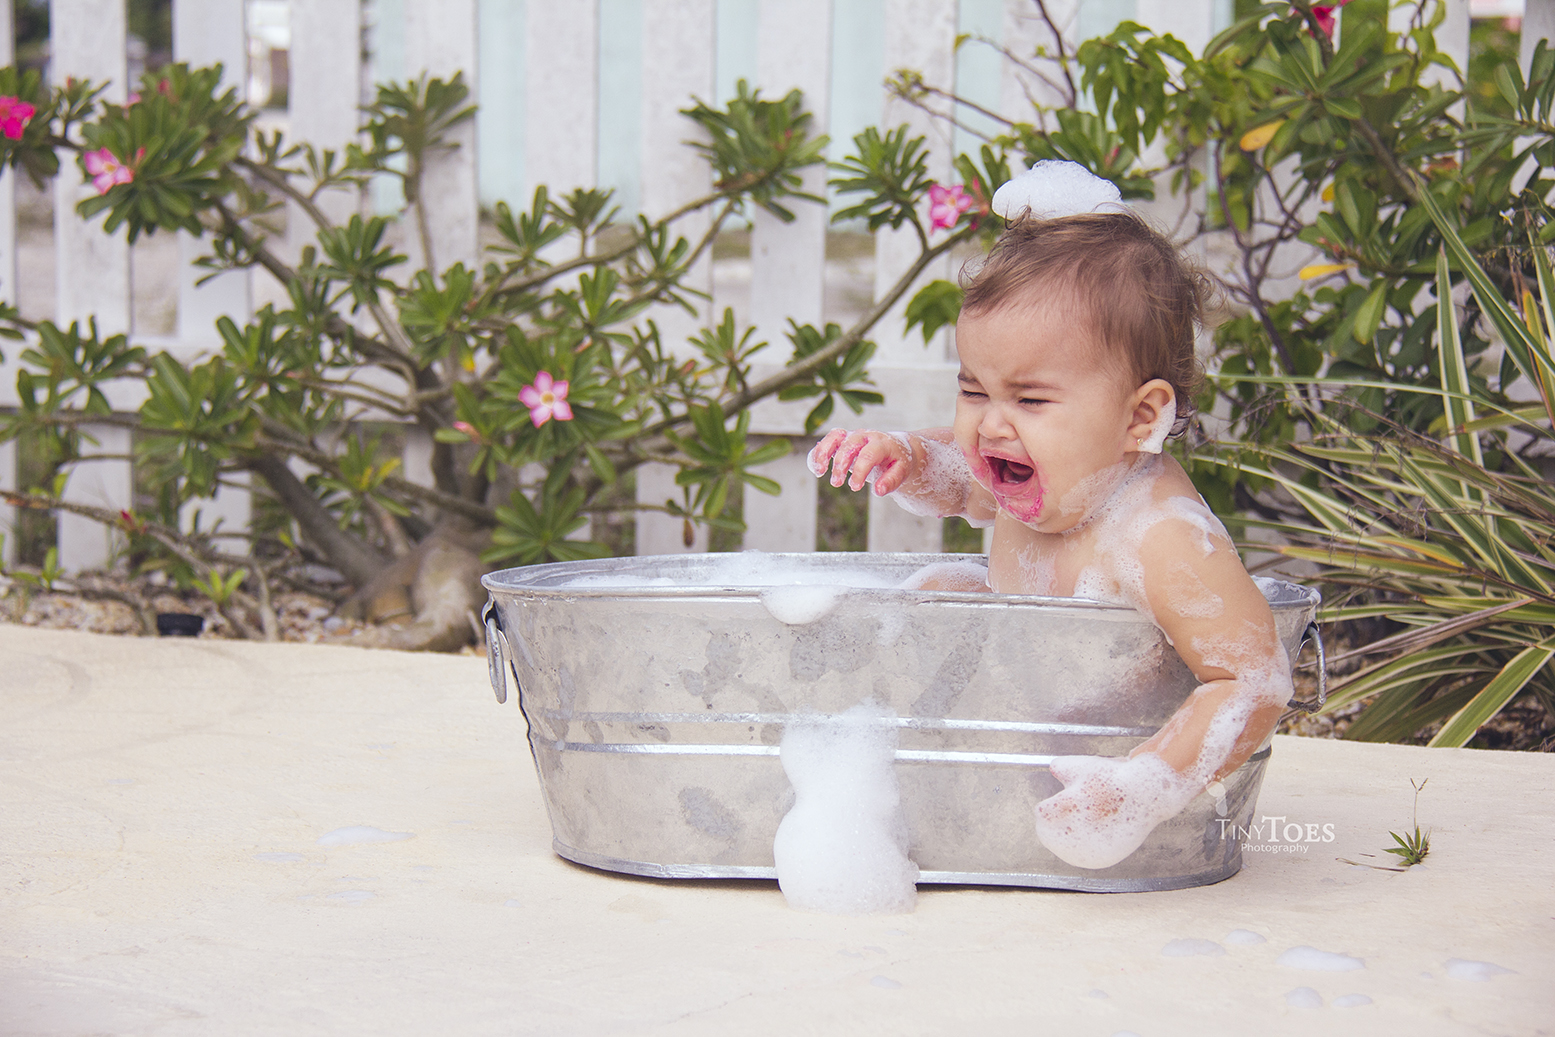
(1076, 343)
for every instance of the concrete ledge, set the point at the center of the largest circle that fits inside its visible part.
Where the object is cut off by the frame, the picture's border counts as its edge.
(161, 805)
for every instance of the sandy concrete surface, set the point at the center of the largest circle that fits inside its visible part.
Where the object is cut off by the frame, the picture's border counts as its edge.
(162, 802)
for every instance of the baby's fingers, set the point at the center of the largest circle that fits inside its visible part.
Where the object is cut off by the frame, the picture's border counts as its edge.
(821, 454)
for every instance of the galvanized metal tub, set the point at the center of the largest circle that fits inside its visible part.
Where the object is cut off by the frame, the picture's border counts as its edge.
(656, 697)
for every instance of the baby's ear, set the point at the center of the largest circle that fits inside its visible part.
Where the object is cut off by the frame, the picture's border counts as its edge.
(1155, 410)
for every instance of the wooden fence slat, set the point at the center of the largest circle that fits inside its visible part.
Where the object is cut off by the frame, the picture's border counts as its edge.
(920, 35)
(324, 93)
(440, 40)
(561, 103)
(678, 64)
(786, 522)
(788, 269)
(657, 533)
(8, 274)
(92, 276)
(207, 33)
(1538, 24)
(1024, 31)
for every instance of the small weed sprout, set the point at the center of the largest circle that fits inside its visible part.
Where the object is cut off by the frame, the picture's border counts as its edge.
(1412, 848)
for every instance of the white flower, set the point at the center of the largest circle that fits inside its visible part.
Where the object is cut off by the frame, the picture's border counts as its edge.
(1054, 188)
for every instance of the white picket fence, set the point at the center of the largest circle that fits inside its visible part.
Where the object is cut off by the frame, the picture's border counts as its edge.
(550, 79)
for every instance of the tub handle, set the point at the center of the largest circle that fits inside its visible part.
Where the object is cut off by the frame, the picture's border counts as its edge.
(499, 654)
(1315, 635)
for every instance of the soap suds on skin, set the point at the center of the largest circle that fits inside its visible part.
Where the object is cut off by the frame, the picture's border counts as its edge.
(842, 848)
(1162, 428)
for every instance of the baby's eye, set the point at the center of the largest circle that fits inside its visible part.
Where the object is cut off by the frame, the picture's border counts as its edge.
(968, 394)
(1031, 400)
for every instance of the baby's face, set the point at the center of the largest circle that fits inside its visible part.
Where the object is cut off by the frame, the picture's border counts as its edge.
(1042, 421)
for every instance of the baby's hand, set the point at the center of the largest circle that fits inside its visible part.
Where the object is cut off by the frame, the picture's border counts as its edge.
(861, 457)
(1108, 806)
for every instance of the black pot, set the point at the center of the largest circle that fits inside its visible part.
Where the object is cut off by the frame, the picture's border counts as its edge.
(179, 624)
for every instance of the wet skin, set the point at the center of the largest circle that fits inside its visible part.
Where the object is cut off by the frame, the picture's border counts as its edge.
(1050, 433)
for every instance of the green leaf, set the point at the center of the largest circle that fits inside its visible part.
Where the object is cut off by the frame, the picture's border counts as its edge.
(1369, 315)
(1514, 676)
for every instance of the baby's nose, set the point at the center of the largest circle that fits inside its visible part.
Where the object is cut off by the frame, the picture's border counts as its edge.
(994, 424)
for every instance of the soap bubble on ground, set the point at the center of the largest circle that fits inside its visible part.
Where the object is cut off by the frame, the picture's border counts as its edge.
(1187, 948)
(1304, 997)
(356, 834)
(1314, 960)
(1475, 971)
(842, 848)
(1244, 938)
(884, 983)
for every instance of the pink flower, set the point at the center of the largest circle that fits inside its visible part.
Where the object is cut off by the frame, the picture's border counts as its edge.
(468, 430)
(1324, 13)
(946, 204)
(106, 170)
(14, 116)
(546, 399)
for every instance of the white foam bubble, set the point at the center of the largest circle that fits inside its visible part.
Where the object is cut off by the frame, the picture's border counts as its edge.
(885, 983)
(1351, 1001)
(1304, 997)
(1476, 971)
(361, 834)
(1156, 439)
(1314, 960)
(798, 605)
(1188, 948)
(1055, 188)
(1108, 807)
(1244, 938)
(842, 848)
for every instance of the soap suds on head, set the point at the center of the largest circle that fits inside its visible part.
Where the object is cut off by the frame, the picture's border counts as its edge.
(842, 848)
(1304, 997)
(1053, 188)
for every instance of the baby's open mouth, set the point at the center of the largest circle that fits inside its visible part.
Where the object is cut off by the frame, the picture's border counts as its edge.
(1009, 473)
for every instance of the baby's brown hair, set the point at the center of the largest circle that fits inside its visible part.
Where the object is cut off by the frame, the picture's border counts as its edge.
(1128, 284)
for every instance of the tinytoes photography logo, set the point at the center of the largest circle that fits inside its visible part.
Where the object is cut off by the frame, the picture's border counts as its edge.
(1271, 833)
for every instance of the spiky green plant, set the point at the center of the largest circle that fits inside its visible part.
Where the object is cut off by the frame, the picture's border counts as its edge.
(1450, 535)
(1412, 848)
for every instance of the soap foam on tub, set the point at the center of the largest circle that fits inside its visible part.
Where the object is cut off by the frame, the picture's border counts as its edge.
(842, 848)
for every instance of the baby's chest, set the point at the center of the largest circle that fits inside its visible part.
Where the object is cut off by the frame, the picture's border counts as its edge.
(1023, 561)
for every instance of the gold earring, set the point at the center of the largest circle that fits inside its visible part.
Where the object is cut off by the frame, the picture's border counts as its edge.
(1138, 442)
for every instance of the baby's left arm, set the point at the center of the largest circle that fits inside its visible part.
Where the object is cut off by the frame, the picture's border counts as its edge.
(1192, 584)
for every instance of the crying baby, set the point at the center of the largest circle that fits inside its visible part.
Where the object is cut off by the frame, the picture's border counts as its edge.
(1076, 345)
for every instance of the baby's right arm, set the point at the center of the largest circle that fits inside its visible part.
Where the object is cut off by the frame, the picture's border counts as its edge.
(925, 470)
